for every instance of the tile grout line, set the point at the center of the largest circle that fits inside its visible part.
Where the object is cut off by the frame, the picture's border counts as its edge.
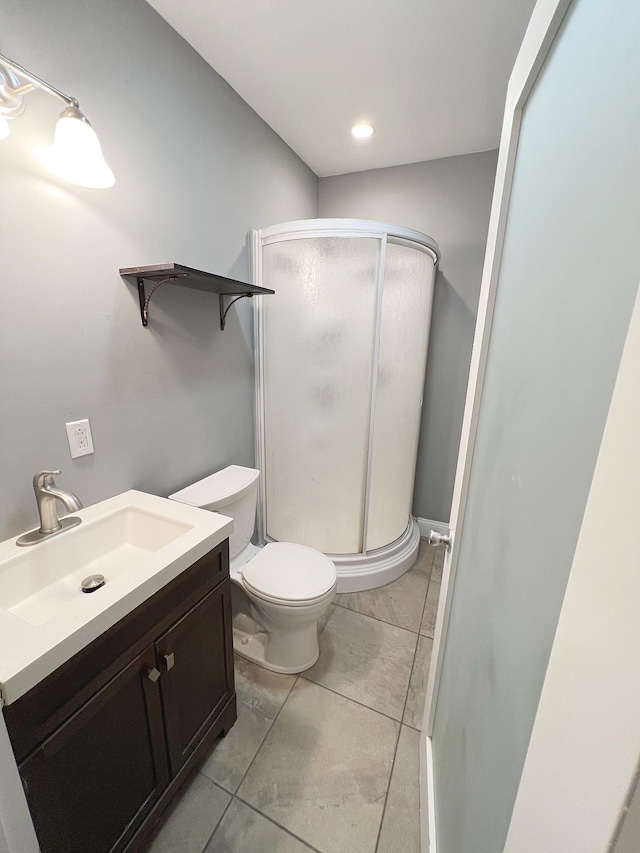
(377, 618)
(415, 655)
(349, 699)
(226, 809)
(250, 805)
(244, 776)
(232, 794)
(438, 583)
(257, 810)
(384, 621)
(404, 708)
(386, 796)
(275, 823)
(417, 636)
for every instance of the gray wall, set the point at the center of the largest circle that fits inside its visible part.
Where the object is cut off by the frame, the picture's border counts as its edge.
(195, 169)
(450, 200)
(567, 286)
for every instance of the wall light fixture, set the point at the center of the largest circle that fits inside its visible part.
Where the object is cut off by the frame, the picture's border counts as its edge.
(75, 155)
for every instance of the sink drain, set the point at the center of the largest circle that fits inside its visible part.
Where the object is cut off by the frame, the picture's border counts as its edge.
(92, 583)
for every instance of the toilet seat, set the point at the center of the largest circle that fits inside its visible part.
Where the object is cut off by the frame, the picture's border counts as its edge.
(291, 574)
(280, 591)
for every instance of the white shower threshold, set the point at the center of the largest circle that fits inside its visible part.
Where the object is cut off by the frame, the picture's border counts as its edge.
(358, 572)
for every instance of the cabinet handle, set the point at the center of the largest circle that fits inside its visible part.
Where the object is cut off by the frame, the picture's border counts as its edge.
(153, 674)
(169, 660)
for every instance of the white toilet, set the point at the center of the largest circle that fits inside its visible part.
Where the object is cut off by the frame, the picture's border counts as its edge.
(280, 590)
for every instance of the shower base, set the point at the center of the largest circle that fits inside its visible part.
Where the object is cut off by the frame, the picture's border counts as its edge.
(357, 572)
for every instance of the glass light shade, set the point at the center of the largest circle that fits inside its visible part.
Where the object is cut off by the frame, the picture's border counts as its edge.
(76, 155)
(362, 131)
(4, 127)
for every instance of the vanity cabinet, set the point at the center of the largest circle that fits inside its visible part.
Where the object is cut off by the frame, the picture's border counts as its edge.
(104, 743)
(102, 771)
(194, 683)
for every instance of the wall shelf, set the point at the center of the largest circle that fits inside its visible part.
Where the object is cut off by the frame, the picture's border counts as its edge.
(178, 274)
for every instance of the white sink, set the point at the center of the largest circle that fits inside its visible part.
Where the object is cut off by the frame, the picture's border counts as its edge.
(139, 543)
(40, 582)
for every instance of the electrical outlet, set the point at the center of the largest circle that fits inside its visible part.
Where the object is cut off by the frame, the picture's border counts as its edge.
(79, 435)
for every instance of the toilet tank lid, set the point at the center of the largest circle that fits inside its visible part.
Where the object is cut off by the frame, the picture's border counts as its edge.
(219, 489)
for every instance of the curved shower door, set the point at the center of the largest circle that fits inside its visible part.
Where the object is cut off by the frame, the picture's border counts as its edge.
(342, 351)
(317, 366)
(397, 405)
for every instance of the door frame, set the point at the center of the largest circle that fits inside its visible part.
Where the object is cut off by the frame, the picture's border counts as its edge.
(541, 32)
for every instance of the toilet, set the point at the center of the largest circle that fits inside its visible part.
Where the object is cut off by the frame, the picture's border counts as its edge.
(280, 590)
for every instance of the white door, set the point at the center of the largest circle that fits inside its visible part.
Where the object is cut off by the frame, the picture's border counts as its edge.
(585, 745)
(559, 286)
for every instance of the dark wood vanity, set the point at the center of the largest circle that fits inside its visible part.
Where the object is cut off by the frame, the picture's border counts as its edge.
(104, 743)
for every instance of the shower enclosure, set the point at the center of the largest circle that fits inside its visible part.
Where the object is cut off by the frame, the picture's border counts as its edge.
(340, 361)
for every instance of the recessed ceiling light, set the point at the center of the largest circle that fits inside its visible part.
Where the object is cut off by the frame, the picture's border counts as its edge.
(362, 131)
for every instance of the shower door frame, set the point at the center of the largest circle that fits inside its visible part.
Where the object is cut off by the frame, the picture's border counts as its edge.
(367, 568)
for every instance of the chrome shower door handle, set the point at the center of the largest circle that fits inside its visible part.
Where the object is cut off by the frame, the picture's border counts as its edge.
(445, 539)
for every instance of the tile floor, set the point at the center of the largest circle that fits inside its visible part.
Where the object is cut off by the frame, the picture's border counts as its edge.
(328, 760)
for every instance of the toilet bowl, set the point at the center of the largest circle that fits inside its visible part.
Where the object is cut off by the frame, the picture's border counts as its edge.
(280, 590)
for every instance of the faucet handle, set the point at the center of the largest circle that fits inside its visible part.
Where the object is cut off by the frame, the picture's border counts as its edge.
(44, 478)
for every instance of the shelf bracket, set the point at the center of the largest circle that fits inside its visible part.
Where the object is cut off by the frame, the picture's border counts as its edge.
(155, 275)
(146, 298)
(223, 312)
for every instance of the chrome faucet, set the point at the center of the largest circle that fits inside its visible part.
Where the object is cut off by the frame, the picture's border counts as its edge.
(47, 493)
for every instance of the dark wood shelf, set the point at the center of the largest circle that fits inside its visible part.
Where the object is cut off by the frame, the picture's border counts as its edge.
(182, 276)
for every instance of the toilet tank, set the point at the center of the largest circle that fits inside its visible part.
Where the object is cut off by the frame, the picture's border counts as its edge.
(233, 491)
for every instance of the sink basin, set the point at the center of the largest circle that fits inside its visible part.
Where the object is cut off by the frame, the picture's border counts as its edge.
(38, 584)
(139, 543)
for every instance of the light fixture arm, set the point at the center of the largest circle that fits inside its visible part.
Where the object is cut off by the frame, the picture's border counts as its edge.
(32, 83)
(76, 154)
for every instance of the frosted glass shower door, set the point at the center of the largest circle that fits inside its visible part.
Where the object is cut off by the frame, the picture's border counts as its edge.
(402, 358)
(319, 332)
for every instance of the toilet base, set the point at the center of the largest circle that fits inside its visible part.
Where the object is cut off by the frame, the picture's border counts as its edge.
(253, 647)
(276, 637)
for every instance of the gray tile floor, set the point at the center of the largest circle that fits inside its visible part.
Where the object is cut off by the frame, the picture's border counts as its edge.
(328, 760)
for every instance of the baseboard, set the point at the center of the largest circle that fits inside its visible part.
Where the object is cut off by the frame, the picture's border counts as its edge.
(427, 775)
(426, 525)
(427, 800)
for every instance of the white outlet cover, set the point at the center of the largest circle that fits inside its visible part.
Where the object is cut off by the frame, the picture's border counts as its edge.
(79, 436)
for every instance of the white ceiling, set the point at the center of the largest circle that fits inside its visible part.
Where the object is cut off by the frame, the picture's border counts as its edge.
(431, 75)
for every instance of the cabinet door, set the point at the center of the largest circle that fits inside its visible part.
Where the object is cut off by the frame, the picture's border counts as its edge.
(197, 679)
(89, 785)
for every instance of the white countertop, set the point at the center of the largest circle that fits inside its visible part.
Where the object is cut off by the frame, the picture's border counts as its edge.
(29, 653)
